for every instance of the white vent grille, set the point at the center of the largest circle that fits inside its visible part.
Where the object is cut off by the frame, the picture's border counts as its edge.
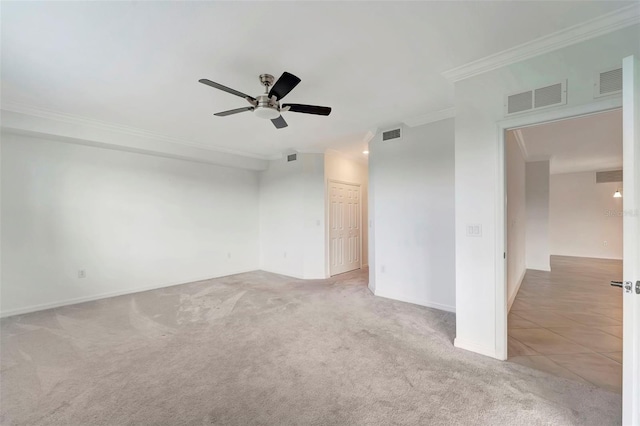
(608, 82)
(542, 97)
(391, 134)
(520, 102)
(547, 96)
(610, 176)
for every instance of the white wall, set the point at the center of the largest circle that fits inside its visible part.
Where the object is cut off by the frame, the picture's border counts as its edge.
(292, 204)
(537, 206)
(131, 221)
(584, 215)
(516, 217)
(412, 193)
(343, 169)
(479, 109)
(95, 133)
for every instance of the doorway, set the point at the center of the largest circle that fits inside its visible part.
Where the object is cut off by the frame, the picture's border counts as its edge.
(564, 246)
(345, 229)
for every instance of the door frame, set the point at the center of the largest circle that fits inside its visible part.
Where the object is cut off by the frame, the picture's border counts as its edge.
(562, 113)
(327, 212)
(631, 269)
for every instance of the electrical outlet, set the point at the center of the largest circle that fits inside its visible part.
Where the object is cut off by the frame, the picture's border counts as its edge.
(229, 255)
(285, 254)
(605, 243)
(382, 269)
(82, 273)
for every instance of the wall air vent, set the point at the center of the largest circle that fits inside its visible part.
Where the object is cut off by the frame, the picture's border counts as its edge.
(292, 157)
(610, 176)
(542, 97)
(547, 96)
(520, 102)
(608, 82)
(392, 134)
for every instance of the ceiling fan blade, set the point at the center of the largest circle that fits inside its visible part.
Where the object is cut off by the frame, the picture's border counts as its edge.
(233, 111)
(284, 85)
(308, 109)
(226, 89)
(279, 122)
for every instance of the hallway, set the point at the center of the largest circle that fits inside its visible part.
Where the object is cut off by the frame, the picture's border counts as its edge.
(568, 322)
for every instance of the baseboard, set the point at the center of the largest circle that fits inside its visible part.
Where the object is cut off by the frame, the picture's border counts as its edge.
(533, 268)
(512, 298)
(415, 301)
(571, 256)
(286, 274)
(83, 299)
(477, 348)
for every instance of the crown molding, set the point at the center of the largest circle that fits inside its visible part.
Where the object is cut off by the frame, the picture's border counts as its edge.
(601, 25)
(430, 117)
(369, 135)
(117, 128)
(523, 146)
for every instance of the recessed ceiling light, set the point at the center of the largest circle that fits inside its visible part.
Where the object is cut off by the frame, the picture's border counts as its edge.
(365, 152)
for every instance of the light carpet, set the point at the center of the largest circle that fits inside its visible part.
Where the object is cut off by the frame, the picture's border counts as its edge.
(264, 349)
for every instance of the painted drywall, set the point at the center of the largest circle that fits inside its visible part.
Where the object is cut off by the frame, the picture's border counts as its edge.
(88, 132)
(292, 205)
(479, 109)
(537, 206)
(343, 169)
(516, 217)
(412, 192)
(585, 219)
(130, 221)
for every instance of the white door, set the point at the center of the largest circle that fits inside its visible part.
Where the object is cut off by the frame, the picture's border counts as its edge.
(631, 254)
(344, 227)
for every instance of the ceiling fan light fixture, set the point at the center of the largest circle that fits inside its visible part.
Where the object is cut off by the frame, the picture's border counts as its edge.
(268, 113)
(266, 108)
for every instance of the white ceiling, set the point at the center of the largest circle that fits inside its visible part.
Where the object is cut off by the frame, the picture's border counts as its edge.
(589, 143)
(376, 63)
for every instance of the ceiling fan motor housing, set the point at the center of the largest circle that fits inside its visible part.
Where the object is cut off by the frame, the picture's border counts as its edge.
(266, 107)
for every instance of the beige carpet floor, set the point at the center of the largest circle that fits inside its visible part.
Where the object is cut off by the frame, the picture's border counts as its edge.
(263, 349)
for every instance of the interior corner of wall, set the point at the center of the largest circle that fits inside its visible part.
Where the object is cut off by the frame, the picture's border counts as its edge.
(514, 293)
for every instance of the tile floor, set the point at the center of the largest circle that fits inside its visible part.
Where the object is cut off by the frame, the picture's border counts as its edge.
(568, 322)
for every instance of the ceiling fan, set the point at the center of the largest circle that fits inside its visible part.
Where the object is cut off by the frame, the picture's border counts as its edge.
(268, 105)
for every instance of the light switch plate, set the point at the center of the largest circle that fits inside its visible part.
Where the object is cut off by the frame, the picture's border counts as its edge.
(474, 230)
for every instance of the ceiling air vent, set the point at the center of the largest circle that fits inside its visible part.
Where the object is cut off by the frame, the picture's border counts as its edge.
(610, 176)
(542, 97)
(608, 82)
(391, 134)
(292, 157)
